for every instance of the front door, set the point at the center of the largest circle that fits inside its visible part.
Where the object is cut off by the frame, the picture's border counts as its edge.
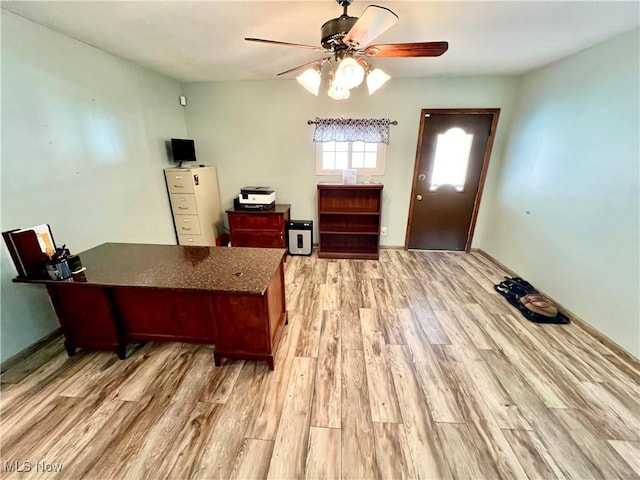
(451, 162)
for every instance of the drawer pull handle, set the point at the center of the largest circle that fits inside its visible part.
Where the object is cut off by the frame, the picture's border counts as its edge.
(189, 239)
(186, 220)
(178, 177)
(182, 208)
(187, 228)
(178, 186)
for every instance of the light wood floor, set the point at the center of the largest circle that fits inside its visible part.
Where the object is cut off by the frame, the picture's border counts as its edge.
(410, 367)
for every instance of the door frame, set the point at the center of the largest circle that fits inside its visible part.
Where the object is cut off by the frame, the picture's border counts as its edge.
(495, 113)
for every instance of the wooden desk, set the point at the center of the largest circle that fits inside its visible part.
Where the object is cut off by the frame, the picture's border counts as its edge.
(233, 298)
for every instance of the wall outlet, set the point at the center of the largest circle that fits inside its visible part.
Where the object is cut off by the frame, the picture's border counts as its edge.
(383, 231)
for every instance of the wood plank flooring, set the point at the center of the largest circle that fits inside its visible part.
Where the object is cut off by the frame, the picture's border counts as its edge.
(407, 367)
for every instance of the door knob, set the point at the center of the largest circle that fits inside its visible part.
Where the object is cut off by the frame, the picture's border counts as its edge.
(422, 177)
(419, 197)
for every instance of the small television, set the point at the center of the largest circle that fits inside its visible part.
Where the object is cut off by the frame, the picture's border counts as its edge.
(183, 150)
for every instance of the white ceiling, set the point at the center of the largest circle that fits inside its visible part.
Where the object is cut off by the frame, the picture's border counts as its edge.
(203, 41)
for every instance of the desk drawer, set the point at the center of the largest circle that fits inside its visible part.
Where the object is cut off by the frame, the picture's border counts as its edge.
(246, 238)
(198, 240)
(180, 182)
(183, 204)
(187, 224)
(256, 222)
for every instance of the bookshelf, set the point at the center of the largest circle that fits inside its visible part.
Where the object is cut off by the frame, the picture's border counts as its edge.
(349, 220)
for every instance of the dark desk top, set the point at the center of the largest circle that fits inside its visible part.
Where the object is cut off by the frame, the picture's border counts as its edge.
(183, 267)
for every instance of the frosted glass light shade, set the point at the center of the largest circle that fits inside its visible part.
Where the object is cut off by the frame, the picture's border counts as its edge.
(375, 79)
(349, 74)
(310, 79)
(337, 92)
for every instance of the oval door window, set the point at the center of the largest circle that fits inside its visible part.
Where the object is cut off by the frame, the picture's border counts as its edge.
(451, 159)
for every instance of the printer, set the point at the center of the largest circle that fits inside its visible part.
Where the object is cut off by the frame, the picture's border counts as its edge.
(255, 198)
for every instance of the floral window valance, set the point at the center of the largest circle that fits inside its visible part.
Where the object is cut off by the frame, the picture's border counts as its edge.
(374, 130)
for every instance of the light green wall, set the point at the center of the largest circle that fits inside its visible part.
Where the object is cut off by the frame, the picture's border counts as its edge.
(82, 149)
(566, 214)
(256, 133)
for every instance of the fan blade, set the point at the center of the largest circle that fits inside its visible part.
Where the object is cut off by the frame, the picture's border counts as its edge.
(303, 66)
(417, 49)
(373, 21)
(286, 44)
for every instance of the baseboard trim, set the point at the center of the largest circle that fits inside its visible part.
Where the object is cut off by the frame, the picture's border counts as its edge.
(591, 330)
(30, 350)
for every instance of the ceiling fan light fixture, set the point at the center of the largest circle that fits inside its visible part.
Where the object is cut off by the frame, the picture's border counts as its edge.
(349, 73)
(346, 40)
(310, 79)
(337, 92)
(376, 78)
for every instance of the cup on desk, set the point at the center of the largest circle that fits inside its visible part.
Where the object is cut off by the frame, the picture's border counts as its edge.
(75, 264)
(58, 269)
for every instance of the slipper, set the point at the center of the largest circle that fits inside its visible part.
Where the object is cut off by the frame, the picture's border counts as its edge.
(545, 308)
(501, 288)
(514, 287)
(537, 299)
(560, 318)
(507, 292)
(523, 284)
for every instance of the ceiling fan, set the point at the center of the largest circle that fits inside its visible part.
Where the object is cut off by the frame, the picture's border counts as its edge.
(347, 41)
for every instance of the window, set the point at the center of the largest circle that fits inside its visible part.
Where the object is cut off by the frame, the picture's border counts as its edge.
(351, 143)
(451, 159)
(368, 158)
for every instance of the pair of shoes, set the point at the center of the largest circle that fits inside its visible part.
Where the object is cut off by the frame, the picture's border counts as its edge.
(533, 305)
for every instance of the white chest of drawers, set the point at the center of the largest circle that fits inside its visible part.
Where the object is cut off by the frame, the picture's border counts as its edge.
(195, 204)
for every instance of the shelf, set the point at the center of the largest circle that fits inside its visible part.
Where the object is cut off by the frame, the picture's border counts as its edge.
(347, 186)
(348, 212)
(349, 255)
(333, 245)
(344, 232)
(349, 220)
(356, 223)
